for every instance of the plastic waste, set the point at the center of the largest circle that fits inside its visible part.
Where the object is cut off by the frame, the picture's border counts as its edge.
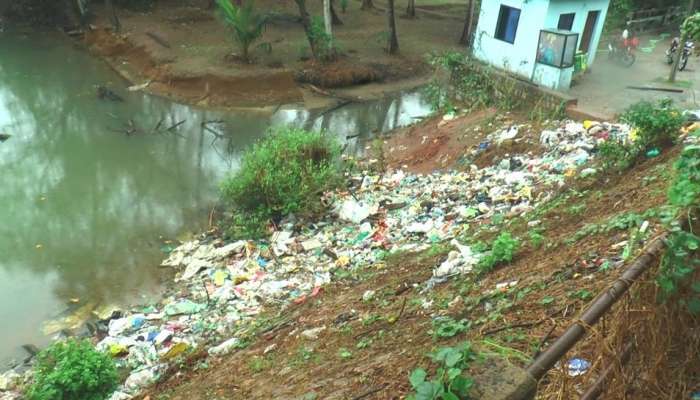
(653, 153)
(312, 334)
(225, 348)
(507, 134)
(221, 286)
(354, 211)
(577, 366)
(175, 350)
(184, 307)
(121, 396)
(141, 379)
(9, 380)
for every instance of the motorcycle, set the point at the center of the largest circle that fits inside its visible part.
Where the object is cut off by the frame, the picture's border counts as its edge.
(687, 51)
(623, 51)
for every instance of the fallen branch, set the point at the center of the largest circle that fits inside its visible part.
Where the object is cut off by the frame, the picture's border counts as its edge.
(157, 127)
(326, 93)
(526, 324)
(597, 309)
(156, 38)
(657, 89)
(172, 128)
(370, 392)
(546, 337)
(336, 107)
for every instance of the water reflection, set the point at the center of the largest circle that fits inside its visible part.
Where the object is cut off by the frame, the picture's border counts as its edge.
(83, 206)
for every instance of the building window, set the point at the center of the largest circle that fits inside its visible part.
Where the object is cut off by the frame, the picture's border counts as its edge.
(557, 48)
(507, 26)
(566, 21)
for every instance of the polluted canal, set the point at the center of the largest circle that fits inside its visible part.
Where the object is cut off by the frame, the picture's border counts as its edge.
(93, 190)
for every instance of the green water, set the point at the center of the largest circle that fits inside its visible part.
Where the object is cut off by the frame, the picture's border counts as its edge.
(85, 208)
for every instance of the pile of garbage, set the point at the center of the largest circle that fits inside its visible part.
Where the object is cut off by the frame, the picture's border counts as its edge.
(221, 286)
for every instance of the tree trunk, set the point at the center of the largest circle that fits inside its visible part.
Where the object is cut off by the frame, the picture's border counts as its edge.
(468, 23)
(113, 18)
(327, 20)
(306, 23)
(393, 45)
(681, 47)
(334, 15)
(411, 8)
(367, 5)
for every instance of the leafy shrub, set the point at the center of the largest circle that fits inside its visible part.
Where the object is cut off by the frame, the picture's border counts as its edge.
(503, 250)
(324, 43)
(654, 125)
(247, 25)
(286, 172)
(449, 382)
(615, 155)
(537, 239)
(691, 27)
(447, 327)
(657, 124)
(73, 370)
(467, 81)
(679, 268)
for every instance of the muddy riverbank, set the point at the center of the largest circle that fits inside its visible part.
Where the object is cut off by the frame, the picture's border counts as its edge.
(186, 54)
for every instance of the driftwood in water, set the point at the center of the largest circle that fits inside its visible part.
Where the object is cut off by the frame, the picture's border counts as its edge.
(104, 93)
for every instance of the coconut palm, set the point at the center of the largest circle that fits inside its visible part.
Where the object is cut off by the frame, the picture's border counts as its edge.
(248, 26)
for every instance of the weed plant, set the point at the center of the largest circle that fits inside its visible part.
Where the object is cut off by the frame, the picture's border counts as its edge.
(285, 173)
(73, 370)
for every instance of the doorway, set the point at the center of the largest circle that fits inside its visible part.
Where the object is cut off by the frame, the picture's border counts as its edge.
(591, 22)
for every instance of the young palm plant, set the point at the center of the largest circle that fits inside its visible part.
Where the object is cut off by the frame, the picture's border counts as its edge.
(247, 25)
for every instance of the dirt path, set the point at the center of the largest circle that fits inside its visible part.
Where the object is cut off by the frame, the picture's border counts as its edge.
(604, 91)
(187, 54)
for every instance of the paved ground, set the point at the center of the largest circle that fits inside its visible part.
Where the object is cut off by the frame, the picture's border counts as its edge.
(604, 90)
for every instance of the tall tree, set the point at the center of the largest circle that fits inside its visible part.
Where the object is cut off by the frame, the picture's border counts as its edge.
(320, 41)
(681, 46)
(367, 5)
(468, 23)
(411, 8)
(334, 15)
(113, 18)
(393, 45)
(306, 23)
(327, 20)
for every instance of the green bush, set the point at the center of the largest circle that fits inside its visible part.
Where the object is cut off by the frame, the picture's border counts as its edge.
(468, 82)
(286, 172)
(678, 276)
(615, 155)
(657, 125)
(450, 381)
(503, 250)
(73, 370)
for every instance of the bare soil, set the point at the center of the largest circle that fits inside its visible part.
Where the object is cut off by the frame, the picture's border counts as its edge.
(186, 53)
(438, 144)
(369, 348)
